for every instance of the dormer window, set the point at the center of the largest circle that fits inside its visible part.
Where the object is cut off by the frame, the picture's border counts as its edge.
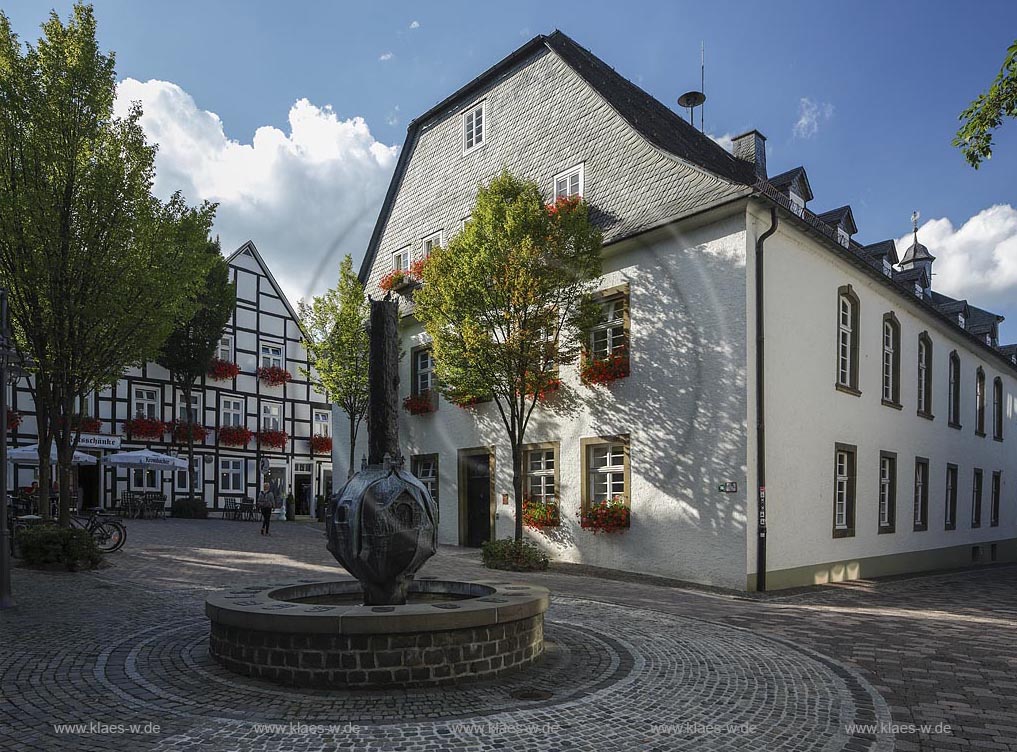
(918, 289)
(474, 126)
(887, 267)
(960, 319)
(797, 203)
(988, 339)
(569, 183)
(843, 238)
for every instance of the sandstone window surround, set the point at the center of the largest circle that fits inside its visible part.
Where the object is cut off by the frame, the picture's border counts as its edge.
(891, 361)
(925, 376)
(976, 498)
(844, 490)
(606, 469)
(955, 391)
(997, 408)
(887, 491)
(847, 341)
(540, 468)
(980, 401)
(921, 494)
(950, 517)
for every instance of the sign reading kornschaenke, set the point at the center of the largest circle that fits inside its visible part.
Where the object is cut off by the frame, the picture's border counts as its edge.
(98, 441)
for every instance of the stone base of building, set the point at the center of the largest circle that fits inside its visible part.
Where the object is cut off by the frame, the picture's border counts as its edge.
(952, 557)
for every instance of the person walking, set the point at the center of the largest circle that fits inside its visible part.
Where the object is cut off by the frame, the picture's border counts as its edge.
(266, 503)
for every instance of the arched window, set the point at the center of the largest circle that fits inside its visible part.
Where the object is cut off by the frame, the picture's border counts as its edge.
(924, 375)
(980, 402)
(891, 360)
(955, 388)
(997, 408)
(847, 340)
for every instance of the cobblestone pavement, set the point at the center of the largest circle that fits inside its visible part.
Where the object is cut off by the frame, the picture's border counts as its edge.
(629, 665)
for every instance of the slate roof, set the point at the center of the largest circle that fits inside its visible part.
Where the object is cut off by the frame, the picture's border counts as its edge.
(910, 276)
(917, 252)
(1009, 351)
(949, 306)
(883, 249)
(840, 217)
(795, 178)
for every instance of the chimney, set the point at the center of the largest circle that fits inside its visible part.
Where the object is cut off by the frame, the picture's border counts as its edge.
(751, 147)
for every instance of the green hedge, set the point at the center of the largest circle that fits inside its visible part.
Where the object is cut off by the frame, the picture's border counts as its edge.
(189, 507)
(515, 556)
(46, 545)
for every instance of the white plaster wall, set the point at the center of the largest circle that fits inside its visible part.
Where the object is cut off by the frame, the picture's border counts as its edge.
(806, 416)
(683, 406)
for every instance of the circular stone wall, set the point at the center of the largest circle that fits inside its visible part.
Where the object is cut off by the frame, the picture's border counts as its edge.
(305, 635)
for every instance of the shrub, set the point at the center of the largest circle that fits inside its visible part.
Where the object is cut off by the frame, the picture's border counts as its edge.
(189, 507)
(513, 555)
(43, 545)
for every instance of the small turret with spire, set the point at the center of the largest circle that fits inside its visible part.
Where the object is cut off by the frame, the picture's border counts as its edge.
(918, 256)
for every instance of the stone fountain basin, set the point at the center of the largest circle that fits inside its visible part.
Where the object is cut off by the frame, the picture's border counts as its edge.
(316, 633)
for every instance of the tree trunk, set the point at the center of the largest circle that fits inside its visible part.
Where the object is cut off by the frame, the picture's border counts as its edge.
(65, 454)
(383, 370)
(45, 467)
(517, 483)
(192, 475)
(353, 447)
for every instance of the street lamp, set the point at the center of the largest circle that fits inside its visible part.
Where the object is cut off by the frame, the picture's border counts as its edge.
(10, 372)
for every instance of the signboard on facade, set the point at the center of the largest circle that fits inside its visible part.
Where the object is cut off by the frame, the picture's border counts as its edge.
(98, 441)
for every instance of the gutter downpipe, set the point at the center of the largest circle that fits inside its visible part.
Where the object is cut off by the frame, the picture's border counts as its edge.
(760, 423)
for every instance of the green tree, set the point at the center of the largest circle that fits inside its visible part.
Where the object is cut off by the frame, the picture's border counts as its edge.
(335, 328)
(98, 270)
(986, 113)
(188, 351)
(506, 302)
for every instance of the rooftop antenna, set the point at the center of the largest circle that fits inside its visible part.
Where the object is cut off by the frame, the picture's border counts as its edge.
(693, 99)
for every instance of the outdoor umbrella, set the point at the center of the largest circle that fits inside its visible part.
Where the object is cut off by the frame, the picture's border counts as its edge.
(29, 455)
(146, 458)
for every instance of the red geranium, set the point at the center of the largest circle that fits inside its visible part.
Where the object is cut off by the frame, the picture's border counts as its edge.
(543, 386)
(274, 439)
(541, 514)
(236, 436)
(145, 428)
(183, 431)
(13, 420)
(605, 370)
(273, 375)
(396, 279)
(563, 205)
(418, 404)
(321, 444)
(222, 370)
(606, 516)
(85, 424)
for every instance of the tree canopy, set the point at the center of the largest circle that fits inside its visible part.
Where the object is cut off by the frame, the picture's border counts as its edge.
(506, 301)
(986, 113)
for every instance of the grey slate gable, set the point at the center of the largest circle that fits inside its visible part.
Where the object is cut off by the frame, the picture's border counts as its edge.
(543, 117)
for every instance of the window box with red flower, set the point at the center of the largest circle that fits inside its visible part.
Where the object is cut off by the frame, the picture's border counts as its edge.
(544, 386)
(222, 370)
(273, 375)
(235, 436)
(273, 439)
(419, 404)
(13, 420)
(184, 431)
(609, 516)
(145, 428)
(605, 370)
(397, 280)
(86, 424)
(541, 513)
(321, 444)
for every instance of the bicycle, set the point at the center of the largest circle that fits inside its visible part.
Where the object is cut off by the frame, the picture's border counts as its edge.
(108, 533)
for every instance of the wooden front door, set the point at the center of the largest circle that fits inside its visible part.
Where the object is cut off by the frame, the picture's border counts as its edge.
(476, 505)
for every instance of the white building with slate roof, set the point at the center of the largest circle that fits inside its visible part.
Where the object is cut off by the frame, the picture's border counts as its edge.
(800, 408)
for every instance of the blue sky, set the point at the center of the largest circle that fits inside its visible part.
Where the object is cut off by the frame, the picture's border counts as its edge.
(884, 81)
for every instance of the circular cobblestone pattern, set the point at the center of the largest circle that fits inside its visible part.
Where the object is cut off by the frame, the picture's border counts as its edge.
(612, 678)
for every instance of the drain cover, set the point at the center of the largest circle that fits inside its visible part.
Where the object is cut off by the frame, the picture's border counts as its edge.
(528, 693)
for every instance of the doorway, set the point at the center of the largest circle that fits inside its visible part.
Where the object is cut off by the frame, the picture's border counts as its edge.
(88, 486)
(476, 496)
(302, 493)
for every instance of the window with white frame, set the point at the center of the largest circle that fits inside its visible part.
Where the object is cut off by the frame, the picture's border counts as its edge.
(224, 350)
(569, 183)
(976, 498)
(950, 516)
(322, 423)
(605, 465)
(980, 402)
(144, 479)
(921, 497)
(83, 405)
(955, 389)
(423, 371)
(997, 482)
(891, 359)
(189, 413)
(608, 337)
(844, 491)
(181, 478)
(842, 237)
(425, 467)
(474, 126)
(232, 411)
(847, 340)
(401, 260)
(429, 243)
(271, 416)
(797, 203)
(887, 491)
(231, 475)
(271, 355)
(887, 267)
(997, 408)
(540, 474)
(146, 402)
(960, 319)
(924, 375)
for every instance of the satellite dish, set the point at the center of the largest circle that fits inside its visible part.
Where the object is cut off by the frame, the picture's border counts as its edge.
(691, 99)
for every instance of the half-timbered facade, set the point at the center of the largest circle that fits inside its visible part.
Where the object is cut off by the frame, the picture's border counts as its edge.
(263, 333)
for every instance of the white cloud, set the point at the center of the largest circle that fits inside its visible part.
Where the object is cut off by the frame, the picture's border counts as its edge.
(978, 260)
(305, 197)
(724, 141)
(385, 56)
(810, 115)
(414, 24)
